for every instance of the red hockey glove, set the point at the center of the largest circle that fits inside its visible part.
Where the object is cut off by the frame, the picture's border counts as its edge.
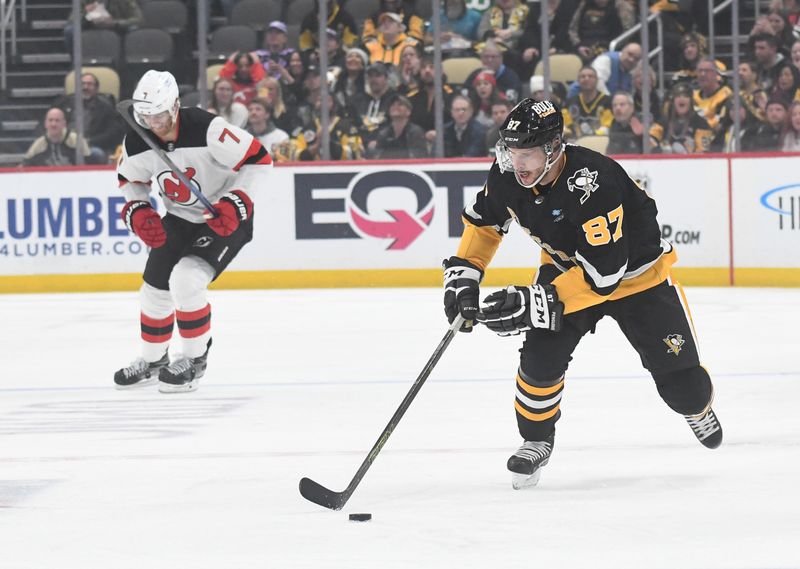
(144, 221)
(233, 208)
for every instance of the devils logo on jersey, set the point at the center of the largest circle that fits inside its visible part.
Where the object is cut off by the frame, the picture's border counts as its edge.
(173, 189)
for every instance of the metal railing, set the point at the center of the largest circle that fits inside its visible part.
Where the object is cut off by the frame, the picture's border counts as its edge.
(713, 11)
(657, 51)
(8, 21)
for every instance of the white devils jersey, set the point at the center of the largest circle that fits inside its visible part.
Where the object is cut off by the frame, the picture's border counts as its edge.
(213, 154)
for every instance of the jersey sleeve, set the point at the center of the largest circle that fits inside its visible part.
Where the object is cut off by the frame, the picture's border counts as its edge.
(134, 171)
(234, 147)
(485, 223)
(602, 251)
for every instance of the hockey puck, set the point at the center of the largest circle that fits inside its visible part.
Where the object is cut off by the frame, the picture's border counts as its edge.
(360, 517)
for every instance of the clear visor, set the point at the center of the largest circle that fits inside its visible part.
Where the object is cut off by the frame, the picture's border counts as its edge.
(533, 163)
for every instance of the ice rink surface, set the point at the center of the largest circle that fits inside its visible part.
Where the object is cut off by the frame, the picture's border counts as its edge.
(301, 383)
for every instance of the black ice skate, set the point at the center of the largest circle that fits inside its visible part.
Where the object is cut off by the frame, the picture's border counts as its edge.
(706, 428)
(526, 464)
(183, 374)
(139, 373)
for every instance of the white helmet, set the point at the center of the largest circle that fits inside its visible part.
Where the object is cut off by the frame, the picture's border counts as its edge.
(156, 92)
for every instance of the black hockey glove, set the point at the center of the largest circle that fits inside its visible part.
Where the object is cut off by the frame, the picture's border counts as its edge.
(461, 290)
(518, 309)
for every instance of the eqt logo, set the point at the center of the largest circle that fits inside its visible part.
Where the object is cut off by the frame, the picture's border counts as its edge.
(394, 205)
(785, 201)
(382, 217)
(172, 188)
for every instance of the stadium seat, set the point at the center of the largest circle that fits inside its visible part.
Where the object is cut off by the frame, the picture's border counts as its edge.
(256, 14)
(100, 47)
(212, 72)
(564, 67)
(361, 10)
(148, 46)
(298, 10)
(598, 143)
(108, 78)
(424, 9)
(458, 69)
(229, 39)
(168, 15)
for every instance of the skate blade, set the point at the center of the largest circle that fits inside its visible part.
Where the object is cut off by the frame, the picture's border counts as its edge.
(138, 384)
(523, 481)
(170, 388)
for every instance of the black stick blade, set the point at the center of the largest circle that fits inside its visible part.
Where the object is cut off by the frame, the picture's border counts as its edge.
(318, 494)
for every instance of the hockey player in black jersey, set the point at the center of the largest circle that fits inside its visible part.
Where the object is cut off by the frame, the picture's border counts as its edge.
(189, 246)
(602, 254)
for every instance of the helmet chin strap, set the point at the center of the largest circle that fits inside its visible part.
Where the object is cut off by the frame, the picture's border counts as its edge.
(550, 161)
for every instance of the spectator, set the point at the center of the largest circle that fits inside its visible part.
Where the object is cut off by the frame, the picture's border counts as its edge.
(588, 112)
(463, 136)
(414, 24)
(614, 70)
(459, 25)
(336, 54)
(223, 104)
(787, 84)
(486, 95)
(102, 127)
(274, 56)
(282, 114)
(422, 100)
(350, 83)
(768, 136)
(390, 41)
(765, 51)
(260, 125)
(400, 138)
(795, 54)
(504, 22)
(57, 147)
(596, 23)
(293, 85)
(244, 71)
(782, 30)
(625, 132)
(344, 140)
(339, 20)
(508, 82)
(693, 48)
(752, 97)
(637, 79)
(500, 110)
(711, 100)
(791, 138)
(373, 107)
(560, 14)
(410, 64)
(681, 130)
(120, 16)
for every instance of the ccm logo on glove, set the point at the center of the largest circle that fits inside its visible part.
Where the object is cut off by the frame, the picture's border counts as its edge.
(518, 309)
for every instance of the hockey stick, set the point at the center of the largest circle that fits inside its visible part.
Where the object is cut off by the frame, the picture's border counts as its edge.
(318, 494)
(123, 107)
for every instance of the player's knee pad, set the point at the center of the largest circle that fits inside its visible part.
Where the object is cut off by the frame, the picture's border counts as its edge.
(189, 281)
(686, 391)
(155, 303)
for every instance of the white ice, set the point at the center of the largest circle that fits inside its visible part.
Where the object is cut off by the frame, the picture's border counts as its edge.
(301, 383)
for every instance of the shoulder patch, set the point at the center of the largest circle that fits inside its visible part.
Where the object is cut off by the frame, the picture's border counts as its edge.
(584, 181)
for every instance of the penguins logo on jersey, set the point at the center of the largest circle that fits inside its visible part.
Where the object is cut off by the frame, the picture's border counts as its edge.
(674, 342)
(585, 181)
(175, 190)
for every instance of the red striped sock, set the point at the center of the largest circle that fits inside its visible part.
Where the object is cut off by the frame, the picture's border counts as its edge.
(195, 323)
(157, 330)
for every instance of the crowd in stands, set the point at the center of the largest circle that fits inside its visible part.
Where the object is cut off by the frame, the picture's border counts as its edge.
(381, 78)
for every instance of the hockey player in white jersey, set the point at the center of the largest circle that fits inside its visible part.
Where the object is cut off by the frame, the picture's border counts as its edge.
(189, 247)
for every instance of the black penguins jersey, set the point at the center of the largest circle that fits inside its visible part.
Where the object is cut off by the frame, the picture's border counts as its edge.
(592, 222)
